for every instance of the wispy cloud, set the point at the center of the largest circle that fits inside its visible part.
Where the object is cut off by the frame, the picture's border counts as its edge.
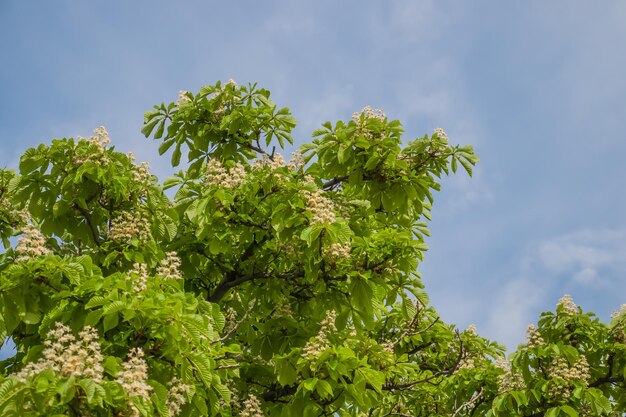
(580, 263)
(586, 255)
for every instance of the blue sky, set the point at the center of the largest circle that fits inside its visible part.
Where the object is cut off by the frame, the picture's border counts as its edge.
(537, 87)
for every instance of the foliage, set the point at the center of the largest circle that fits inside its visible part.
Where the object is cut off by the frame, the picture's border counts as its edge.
(265, 286)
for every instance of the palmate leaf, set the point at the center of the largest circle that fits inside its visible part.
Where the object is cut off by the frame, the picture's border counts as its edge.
(198, 328)
(202, 366)
(9, 390)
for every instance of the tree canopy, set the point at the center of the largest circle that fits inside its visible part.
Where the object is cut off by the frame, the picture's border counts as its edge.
(264, 286)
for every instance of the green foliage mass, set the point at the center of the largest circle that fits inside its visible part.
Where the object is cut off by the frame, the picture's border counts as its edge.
(264, 287)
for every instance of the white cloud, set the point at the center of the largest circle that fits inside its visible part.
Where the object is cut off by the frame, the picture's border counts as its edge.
(585, 255)
(513, 307)
(579, 262)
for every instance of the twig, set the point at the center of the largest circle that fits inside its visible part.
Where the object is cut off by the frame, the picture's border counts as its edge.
(236, 326)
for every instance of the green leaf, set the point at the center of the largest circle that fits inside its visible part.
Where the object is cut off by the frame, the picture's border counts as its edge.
(553, 412)
(285, 371)
(310, 383)
(202, 366)
(324, 390)
(375, 378)
(147, 128)
(164, 147)
(569, 411)
(176, 155)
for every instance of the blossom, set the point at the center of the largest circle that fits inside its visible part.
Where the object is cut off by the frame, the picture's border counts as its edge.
(220, 176)
(169, 267)
(176, 396)
(67, 355)
(134, 377)
(560, 368)
(471, 330)
(337, 251)
(369, 113)
(511, 380)
(320, 343)
(296, 161)
(251, 407)
(566, 305)
(441, 134)
(139, 276)
(31, 244)
(321, 207)
(128, 225)
(565, 374)
(183, 98)
(99, 156)
(618, 313)
(534, 337)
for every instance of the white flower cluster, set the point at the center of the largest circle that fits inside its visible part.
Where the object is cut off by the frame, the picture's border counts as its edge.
(19, 215)
(619, 327)
(282, 310)
(31, 244)
(471, 330)
(467, 362)
(559, 368)
(182, 98)
(369, 114)
(126, 226)
(533, 337)
(176, 396)
(139, 277)
(321, 208)
(441, 134)
(220, 176)
(510, 380)
(141, 173)
(388, 346)
(134, 377)
(230, 319)
(277, 161)
(320, 343)
(100, 141)
(169, 267)
(252, 407)
(296, 161)
(337, 251)
(566, 304)
(67, 356)
(616, 314)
